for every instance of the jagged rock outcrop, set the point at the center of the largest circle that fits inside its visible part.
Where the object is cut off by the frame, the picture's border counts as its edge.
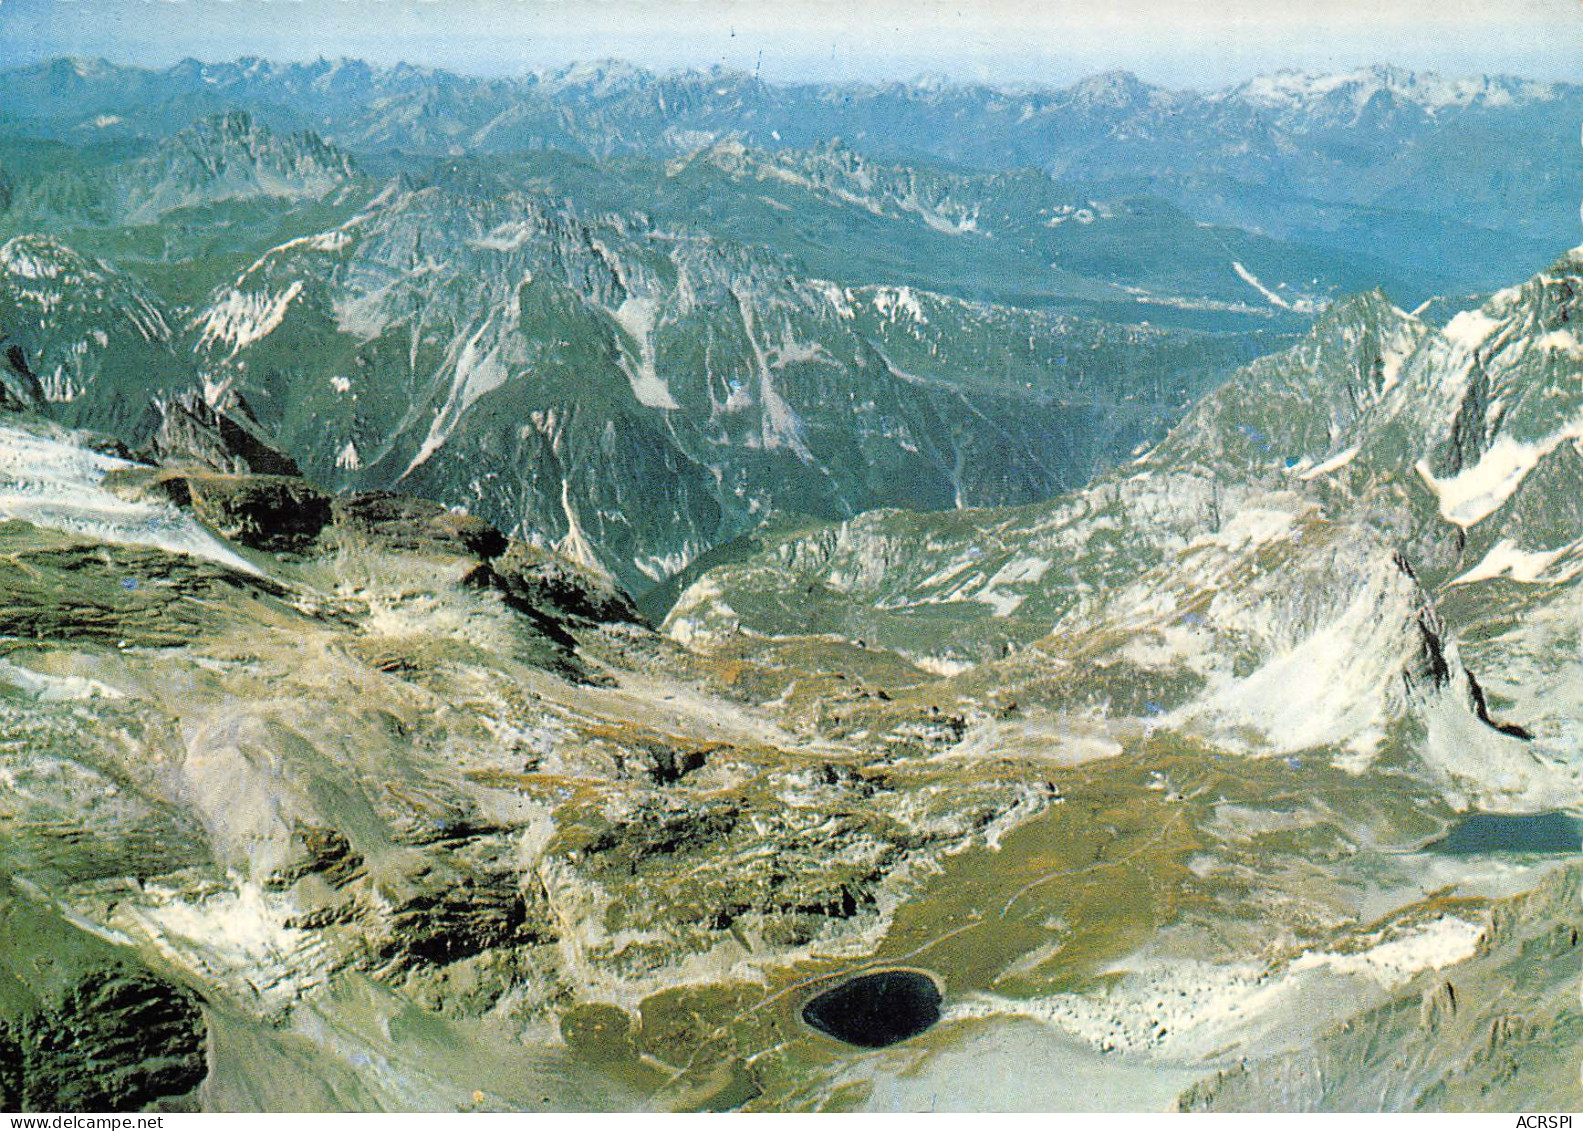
(20, 390)
(193, 432)
(97, 341)
(409, 524)
(1287, 568)
(1168, 766)
(457, 917)
(531, 577)
(118, 1040)
(262, 512)
(265, 512)
(1486, 1038)
(231, 156)
(84, 1026)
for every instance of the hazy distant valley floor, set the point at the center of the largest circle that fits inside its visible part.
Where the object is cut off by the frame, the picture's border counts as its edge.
(1050, 587)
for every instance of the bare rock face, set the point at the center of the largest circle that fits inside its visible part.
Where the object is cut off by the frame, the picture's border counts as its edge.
(1489, 1039)
(531, 577)
(531, 580)
(452, 918)
(19, 388)
(119, 1040)
(412, 525)
(263, 512)
(432, 787)
(192, 432)
(327, 855)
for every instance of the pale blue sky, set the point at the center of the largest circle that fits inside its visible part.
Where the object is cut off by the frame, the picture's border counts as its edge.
(1189, 43)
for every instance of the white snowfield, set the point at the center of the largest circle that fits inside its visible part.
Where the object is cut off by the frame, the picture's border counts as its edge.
(1334, 463)
(57, 485)
(1433, 94)
(1507, 559)
(1477, 492)
(1197, 1010)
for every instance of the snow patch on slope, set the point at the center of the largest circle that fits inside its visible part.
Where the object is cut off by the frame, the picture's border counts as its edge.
(1477, 492)
(1250, 527)
(636, 316)
(1470, 329)
(60, 486)
(240, 319)
(1198, 1009)
(240, 929)
(1562, 342)
(1019, 571)
(1507, 559)
(891, 303)
(1334, 463)
(1434, 946)
(20, 263)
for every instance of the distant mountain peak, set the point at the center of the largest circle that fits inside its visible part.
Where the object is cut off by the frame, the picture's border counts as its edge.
(84, 67)
(596, 77)
(1425, 90)
(1369, 305)
(1111, 89)
(230, 127)
(233, 156)
(34, 257)
(236, 134)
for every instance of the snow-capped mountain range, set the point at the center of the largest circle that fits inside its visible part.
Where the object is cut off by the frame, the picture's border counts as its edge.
(399, 269)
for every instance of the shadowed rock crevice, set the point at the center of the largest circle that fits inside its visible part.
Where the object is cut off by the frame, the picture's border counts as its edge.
(413, 525)
(326, 854)
(118, 1040)
(1482, 710)
(193, 433)
(263, 512)
(19, 387)
(470, 916)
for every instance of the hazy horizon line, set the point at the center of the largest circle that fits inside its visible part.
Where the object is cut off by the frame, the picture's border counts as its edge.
(920, 78)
